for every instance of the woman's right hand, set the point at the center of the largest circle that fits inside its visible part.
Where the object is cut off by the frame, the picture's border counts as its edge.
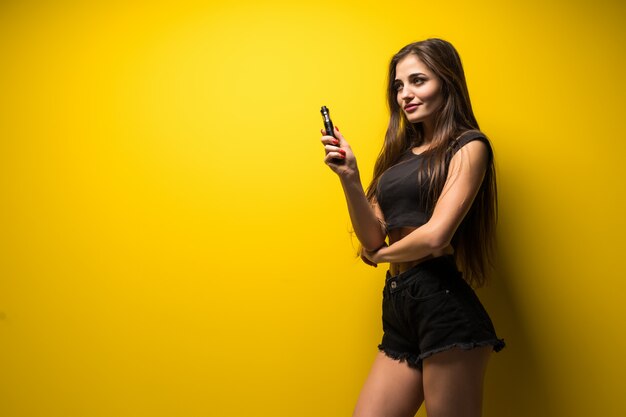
(339, 156)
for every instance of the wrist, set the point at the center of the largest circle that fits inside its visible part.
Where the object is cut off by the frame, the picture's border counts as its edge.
(350, 179)
(380, 254)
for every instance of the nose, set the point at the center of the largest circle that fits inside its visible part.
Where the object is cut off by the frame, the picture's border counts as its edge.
(406, 94)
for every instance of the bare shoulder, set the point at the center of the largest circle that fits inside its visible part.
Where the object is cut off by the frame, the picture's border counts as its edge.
(473, 155)
(470, 141)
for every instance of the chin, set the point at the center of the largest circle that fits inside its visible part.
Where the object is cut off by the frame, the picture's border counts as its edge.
(415, 119)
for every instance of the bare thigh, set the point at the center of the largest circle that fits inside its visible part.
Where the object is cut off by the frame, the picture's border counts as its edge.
(392, 389)
(453, 382)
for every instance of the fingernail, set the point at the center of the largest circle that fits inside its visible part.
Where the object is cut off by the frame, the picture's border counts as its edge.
(335, 142)
(337, 127)
(341, 151)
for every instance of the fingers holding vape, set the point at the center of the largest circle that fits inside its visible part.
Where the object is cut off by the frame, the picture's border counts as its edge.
(339, 156)
(332, 145)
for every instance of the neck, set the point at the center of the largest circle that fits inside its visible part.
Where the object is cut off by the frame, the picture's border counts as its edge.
(427, 133)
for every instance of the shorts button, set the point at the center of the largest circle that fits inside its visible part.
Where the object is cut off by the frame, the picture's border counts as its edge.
(394, 284)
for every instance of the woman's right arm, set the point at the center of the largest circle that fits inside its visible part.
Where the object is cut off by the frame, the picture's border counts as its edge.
(367, 220)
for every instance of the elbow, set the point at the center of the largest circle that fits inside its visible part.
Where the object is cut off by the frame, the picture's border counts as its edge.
(373, 245)
(373, 240)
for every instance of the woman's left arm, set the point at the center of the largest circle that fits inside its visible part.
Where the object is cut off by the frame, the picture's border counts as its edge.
(465, 175)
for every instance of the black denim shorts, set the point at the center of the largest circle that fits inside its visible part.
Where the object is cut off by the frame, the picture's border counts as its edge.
(430, 308)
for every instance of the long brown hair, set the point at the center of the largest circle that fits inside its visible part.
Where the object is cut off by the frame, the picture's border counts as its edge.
(474, 240)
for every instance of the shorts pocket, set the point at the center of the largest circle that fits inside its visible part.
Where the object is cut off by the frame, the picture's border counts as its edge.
(418, 293)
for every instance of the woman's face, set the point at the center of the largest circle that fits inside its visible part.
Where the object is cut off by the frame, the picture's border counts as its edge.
(418, 89)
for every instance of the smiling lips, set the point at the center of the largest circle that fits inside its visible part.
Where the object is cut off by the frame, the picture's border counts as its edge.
(410, 108)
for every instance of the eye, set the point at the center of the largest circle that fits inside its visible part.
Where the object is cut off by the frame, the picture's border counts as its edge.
(419, 81)
(397, 86)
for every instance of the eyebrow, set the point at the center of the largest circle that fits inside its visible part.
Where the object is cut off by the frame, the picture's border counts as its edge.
(410, 75)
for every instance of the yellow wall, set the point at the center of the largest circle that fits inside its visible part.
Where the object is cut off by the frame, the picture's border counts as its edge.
(171, 243)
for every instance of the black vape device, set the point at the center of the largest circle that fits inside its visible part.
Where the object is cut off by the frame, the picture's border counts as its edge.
(330, 130)
(328, 124)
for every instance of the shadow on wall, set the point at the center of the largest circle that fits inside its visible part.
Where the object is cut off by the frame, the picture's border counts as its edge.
(516, 384)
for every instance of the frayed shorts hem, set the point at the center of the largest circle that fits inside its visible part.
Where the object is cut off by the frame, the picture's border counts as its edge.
(415, 361)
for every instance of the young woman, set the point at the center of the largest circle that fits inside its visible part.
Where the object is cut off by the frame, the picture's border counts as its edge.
(433, 199)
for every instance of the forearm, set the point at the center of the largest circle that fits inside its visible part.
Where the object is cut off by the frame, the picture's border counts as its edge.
(366, 225)
(421, 242)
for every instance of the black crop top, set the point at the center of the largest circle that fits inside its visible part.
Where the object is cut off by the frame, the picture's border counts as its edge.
(401, 197)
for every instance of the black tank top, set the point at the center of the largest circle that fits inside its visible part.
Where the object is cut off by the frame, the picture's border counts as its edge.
(401, 197)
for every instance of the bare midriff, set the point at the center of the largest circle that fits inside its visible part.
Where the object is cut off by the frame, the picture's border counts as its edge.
(395, 235)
